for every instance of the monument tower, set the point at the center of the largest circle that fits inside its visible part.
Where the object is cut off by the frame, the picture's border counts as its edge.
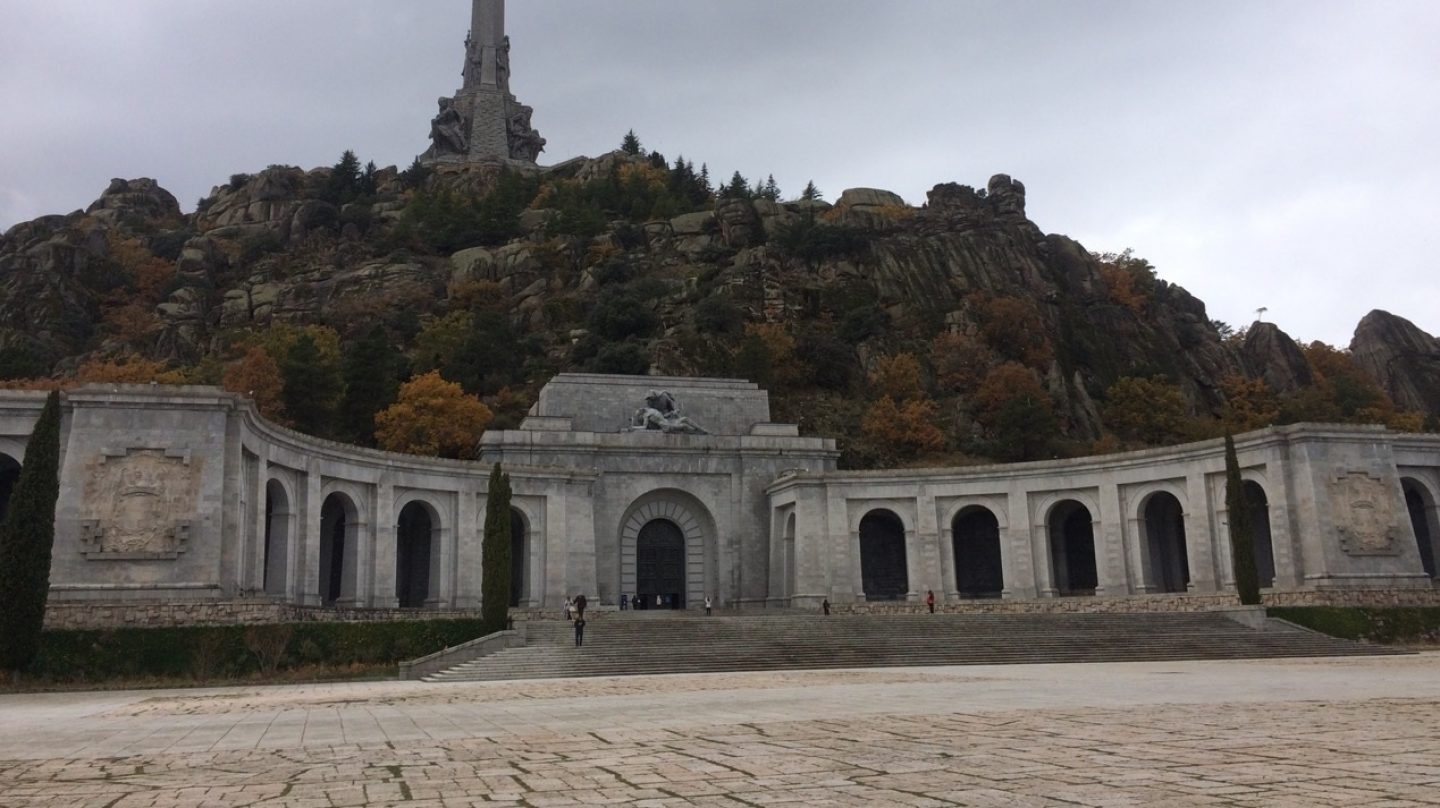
(484, 121)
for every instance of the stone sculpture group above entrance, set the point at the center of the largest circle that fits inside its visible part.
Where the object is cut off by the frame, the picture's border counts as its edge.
(661, 413)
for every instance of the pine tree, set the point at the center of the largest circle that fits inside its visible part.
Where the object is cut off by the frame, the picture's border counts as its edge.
(312, 387)
(369, 366)
(738, 188)
(771, 191)
(495, 553)
(811, 193)
(27, 537)
(369, 183)
(345, 180)
(631, 144)
(1242, 539)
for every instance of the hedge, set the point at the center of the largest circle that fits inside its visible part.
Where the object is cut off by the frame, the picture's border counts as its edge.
(1390, 626)
(227, 652)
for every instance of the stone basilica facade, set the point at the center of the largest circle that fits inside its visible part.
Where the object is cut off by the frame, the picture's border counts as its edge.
(184, 499)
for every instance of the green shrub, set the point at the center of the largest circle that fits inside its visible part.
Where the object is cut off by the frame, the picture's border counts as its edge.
(225, 651)
(1393, 625)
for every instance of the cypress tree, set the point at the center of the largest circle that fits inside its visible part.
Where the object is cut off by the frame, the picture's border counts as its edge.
(495, 553)
(1242, 539)
(26, 538)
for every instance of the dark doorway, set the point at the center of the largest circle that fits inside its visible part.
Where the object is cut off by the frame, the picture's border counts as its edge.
(660, 565)
(978, 569)
(1165, 540)
(413, 538)
(9, 473)
(1072, 549)
(277, 539)
(1258, 506)
(883, 573)
(1417, 502)
(335, 526)
(517, 557)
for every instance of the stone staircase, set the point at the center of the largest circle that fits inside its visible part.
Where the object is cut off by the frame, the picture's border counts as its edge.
(644, 643)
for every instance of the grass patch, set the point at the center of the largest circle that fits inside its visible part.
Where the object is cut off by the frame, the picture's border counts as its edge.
(1387, 626)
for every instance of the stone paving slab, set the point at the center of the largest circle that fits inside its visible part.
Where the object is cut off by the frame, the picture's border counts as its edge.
(1344, 732)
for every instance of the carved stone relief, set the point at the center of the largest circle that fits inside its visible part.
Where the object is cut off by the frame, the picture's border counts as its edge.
(141, 504)
(1365, 514)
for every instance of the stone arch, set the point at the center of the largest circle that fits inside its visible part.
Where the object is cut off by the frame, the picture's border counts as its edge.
(1257, 503)
(884, 570)
(417, 548)
(9, 474)
(279, 517)
(1162, 533)
(339, 533)
(695, 525)
(519, 556)
(1070, 529)
(979, 568)
(1420, 503)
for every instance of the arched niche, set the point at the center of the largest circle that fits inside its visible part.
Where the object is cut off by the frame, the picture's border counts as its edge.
(417, 532)
(339, 530)
(519, 556)
(884, 570)
(9, 474)
(1420, 504)
(1257, 505)
(975, 535)
(1071, 532)
(278, 519)
(1162, 525)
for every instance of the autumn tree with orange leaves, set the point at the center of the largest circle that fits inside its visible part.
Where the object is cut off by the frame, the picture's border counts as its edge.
(433, 417)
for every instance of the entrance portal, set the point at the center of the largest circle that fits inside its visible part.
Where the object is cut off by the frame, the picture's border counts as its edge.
(660, 565)
(1072, 549)
(883, 572)
(1264, 546)
(1165, 541)
(979, 572)
(1417, 502)
(413, 540)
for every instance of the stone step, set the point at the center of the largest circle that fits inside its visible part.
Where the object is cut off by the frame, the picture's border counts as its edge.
(682, 643)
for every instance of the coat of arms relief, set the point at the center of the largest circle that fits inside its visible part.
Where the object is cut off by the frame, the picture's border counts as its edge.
(140, 504)
(1365, 513)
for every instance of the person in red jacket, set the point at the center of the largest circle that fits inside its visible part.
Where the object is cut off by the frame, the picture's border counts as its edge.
(930, 599)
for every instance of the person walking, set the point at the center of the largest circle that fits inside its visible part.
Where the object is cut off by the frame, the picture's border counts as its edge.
(579, 631)
(624, 601)
(568, 607)
(825, 606)
(707, 605)
(580, 604)
(930, 599)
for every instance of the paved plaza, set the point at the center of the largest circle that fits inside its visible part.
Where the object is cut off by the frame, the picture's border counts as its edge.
(1346, 732)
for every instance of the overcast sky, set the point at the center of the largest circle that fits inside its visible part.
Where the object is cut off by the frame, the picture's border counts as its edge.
(1277, 154)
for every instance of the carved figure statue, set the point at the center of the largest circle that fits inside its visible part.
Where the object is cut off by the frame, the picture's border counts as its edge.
(448, 130)
(661, 413)
(525, 143)
(502, 65)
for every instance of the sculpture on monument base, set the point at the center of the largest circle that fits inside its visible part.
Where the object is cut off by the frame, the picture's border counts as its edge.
(525, 143)
(661, 413)
(447, 130)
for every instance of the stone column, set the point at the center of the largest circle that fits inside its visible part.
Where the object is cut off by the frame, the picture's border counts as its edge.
(466, 571)
(379, 588)
(928, 561)
(1137, 546)
(1018, 549)
(1199, 548)
(1110, 566)
(948, 584)
(307, 577)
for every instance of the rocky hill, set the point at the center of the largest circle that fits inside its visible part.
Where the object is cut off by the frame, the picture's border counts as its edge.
(979, 330)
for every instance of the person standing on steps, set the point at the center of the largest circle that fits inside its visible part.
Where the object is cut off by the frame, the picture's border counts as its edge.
(580, 604)
(624, 601)
(825, 606)
(579, 631)
(707, 605)
(930, 599)
(567, 608)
